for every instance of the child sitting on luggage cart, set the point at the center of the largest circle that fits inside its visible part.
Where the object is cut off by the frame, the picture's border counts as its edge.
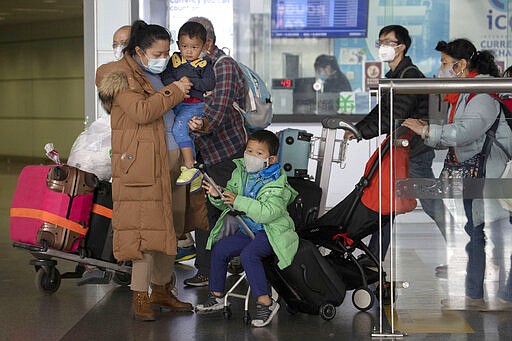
(259, 190)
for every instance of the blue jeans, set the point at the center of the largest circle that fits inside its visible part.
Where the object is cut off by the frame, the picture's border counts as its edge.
(501, 236)
(251, 253)
(184, 112)
(475, 249)
(420, 166)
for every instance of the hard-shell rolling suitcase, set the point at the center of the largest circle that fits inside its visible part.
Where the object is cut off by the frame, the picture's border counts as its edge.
(79, 187)
(304, 209)
(98, 241)
(309, 285)
(294, 148)
(51, 206)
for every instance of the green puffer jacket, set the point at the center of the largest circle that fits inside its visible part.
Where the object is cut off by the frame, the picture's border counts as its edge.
(269, 209)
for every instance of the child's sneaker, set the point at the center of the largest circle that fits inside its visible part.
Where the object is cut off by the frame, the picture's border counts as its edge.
(264, 314)
(187, 175)
(195, 185)
(214, 303)
(185, 253)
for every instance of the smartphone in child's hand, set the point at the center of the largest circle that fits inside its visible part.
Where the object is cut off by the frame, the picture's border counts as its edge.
(212, 183)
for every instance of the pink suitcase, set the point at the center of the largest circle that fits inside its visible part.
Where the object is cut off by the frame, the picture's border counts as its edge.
(51, 206)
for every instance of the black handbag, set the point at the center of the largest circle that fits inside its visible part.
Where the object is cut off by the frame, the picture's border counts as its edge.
(474, 167)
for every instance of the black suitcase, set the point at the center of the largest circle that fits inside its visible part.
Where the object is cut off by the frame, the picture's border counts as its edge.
(309, 285)
(304, 209)
(98, 241)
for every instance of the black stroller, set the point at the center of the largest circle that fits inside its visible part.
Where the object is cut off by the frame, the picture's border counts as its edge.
(341, 231)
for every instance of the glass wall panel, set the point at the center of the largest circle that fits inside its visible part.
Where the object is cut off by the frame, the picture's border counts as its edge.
(430, 259)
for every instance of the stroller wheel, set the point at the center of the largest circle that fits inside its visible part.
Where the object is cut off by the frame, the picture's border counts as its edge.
(363, 299)
(327, 311)
(122, 278)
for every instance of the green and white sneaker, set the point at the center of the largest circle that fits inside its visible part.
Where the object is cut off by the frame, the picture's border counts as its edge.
(213, 304)
(265, 313)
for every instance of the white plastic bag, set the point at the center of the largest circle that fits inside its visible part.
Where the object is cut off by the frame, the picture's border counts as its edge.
(506, 203)
(91, 150)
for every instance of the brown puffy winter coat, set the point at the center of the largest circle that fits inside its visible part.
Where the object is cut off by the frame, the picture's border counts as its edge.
(142, 217)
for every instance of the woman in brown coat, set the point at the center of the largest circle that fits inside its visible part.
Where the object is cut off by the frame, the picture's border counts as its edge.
(141, 189)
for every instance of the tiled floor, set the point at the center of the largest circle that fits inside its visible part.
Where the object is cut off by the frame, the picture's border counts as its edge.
(102, 312)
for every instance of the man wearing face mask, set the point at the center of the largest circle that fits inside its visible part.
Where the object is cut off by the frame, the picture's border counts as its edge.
(393, 43)
(120, 40)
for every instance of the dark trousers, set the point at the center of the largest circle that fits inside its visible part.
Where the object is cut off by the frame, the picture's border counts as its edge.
(220, 173)
(251, 253)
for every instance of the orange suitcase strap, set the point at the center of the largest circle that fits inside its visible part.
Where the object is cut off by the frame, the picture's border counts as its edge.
(102, 210)
(49, 217)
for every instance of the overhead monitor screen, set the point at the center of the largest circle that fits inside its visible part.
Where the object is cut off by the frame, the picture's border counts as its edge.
(319, 18)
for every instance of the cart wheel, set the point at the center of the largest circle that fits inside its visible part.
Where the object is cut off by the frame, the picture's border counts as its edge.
(363, 299)
(247, 317)
(327, 311)
(47, 280)
(122, 278)
(290, 309)
(227, 313)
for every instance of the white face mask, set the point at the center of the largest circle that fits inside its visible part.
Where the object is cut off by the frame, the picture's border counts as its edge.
(387, 53)
(156, 66)
(446, 72)
(254, 164)
(118, 52)
(322, 75)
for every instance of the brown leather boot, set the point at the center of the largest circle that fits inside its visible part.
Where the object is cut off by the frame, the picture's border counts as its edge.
(141, 308)
(162, 297)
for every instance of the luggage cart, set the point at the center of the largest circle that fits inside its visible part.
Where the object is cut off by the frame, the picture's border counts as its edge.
(325, 157)
(48, 277)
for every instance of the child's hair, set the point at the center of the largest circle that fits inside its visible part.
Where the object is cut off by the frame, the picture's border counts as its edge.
(193, 30)
(267, 137)
(112, 84)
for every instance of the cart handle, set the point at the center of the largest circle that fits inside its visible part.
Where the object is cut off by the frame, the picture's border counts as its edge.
(338, 123)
